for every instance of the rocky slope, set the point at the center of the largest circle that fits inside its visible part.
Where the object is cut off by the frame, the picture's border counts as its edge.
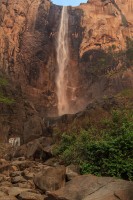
(101, 65)
(44, 178)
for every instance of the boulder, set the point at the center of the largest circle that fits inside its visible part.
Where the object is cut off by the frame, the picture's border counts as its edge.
(51, 178)
(28, 175)
(89, 187)
(72, 171)
(18, 179)
(52, 162)
(37, 151)
(15, 191)
(40, 149)
(30, 196)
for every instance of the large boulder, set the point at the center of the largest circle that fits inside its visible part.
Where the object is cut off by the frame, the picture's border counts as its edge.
(50, 178)
(36, 149)
(89, 187)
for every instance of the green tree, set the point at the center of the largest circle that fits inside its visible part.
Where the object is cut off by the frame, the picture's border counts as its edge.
(110, 155)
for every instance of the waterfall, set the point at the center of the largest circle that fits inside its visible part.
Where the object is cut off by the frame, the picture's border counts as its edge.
(62, 61)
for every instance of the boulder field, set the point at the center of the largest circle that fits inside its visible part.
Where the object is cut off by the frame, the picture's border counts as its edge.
(45, 178)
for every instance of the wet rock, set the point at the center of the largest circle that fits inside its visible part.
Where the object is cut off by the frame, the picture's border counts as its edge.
(50, 178)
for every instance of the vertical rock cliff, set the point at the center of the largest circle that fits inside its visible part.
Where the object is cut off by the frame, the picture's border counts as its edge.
(100, 43)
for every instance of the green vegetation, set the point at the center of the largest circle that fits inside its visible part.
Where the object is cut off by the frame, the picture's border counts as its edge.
(3, 98)
(6, 100)
(111, 154)
(126, 93)
(102, 142)
(3, 82)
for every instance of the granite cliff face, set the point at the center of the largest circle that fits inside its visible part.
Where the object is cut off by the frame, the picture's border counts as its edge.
(101, 48)
(104, 50)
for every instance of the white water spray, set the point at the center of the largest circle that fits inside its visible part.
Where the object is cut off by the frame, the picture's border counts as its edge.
(62, 61)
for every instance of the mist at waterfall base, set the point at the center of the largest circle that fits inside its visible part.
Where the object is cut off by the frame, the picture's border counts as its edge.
(68, 2)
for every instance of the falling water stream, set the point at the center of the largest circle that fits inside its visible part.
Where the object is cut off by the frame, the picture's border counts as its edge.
(62, 61)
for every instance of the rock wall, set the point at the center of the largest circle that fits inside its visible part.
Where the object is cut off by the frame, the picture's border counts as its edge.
(100, 43)
(27, 53)
(104, 62)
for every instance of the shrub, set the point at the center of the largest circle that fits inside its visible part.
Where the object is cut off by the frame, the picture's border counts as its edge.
(4, 99)
(110, 155)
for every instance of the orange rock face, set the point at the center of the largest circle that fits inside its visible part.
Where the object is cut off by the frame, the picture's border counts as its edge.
(106, 23)
(99, 32)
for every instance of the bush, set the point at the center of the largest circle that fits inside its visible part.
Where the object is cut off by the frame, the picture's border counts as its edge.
(110, 155)
(4, 99)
